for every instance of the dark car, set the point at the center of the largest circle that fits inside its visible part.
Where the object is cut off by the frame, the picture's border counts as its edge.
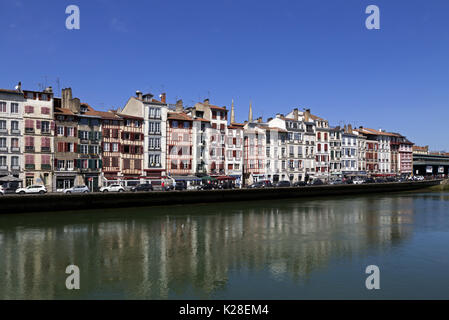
(391, 179)
(317, 182)
(261, 184)
(180, 185)
(380, 180)
(370, 180)
(142, 187)
(283, 184)
(207, 186)
(300, 184)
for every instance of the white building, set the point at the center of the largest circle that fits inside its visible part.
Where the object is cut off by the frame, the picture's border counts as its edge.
(11, 133)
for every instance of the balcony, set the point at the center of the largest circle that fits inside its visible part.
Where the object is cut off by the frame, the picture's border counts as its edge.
(4, 168)
(45, 167)
(29, 130)
(15, 168)
(15, 149)
(15, 131)
(29, 166)
(29, 148)
(3, 131)
(3, 149)
(45, 149)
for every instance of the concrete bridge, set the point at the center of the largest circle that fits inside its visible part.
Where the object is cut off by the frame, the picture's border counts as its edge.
(430, 164)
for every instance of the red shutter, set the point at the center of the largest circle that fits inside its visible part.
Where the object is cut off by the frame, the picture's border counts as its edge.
(38, 124)
(52, 125)
(65, 131)
(75, 132)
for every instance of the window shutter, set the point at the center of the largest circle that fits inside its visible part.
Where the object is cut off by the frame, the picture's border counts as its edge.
(65, 131)
(38, 124)
(79, 134)
(75, 132)
(100, 164)
(90, 135)
(52, 125)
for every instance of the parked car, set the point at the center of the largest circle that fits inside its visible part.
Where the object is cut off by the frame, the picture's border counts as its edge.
(418, 178)
(358, 181)
(260, 184)
(32, 189)
(142, 187)
(370, 180)
(2, 192)
(300, 184)
(380, 180)
(206, 186)
(112, 188)
(77, 189)
(337, 181)
(283, 184)
(180, 185)
(317, 182)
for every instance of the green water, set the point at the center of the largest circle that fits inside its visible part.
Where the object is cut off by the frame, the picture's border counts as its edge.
(287, 249)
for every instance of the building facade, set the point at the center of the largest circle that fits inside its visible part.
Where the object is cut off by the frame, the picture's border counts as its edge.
(11, 133)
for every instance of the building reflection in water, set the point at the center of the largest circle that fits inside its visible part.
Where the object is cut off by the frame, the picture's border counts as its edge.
(155, 253)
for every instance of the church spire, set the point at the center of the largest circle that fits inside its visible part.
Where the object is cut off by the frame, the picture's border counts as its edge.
(232, 112)
(250, 114)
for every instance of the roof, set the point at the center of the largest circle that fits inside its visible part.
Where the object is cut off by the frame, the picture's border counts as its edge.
(314, 117)
(217, 108)
(375, 132)
(10, 91)
(418, 148)
(127, 116)
(201, 119)
(236, 125)
(178, 116)
(63, 111)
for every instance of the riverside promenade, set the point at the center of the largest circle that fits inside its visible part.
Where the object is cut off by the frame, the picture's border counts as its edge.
(63, 202)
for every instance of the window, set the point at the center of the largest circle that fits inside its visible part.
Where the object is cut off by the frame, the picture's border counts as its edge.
(70, 131)
(45, 127)
(186, 125)
(174, 124)
(60, 131)
(29, 109)
(45, 110)
(115, 147)
(106, 147)
(2, 124)
(14, 108)
(84, 148)
(2, 142)
(2, 106)
(14, 142)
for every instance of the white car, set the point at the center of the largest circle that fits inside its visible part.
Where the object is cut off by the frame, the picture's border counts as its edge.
(112, 188)
(77, 189)
(2, 192)
(358, 181)
(32, 189)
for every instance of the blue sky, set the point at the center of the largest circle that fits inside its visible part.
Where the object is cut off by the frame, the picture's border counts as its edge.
(280, 54)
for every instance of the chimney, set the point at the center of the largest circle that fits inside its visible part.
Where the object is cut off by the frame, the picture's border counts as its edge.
(269, 119)
(295, 114)
(278, 115)
(361, 127)
(206, 102)
(66, 98)
(349, 128)
(19, 86)
(259, 120)
(306, 115)
(163, 97)
(139, 95)
(179, 106)
(346, 129)
(232, 112)
(48, 90)
(250, 113)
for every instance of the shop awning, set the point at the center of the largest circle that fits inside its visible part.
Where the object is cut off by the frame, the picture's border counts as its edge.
(208, 178)
(10, 178)
(225, 178)
(186, 178)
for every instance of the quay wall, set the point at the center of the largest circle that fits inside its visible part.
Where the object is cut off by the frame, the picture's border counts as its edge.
(62, 202)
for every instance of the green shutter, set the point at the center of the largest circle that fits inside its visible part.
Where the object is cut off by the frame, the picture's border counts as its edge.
(100, 164)
(90, 135)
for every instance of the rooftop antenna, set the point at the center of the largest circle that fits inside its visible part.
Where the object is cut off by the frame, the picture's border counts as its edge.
(58, 84)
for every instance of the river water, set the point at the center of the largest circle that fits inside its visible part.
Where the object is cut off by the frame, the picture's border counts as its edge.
(286, 249)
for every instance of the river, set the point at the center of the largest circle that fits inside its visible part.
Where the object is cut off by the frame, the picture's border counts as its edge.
(286, 249)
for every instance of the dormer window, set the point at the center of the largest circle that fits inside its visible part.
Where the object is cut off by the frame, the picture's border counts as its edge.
(83, 109)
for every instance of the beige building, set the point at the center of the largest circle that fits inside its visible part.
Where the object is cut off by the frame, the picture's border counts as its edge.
(38, 137)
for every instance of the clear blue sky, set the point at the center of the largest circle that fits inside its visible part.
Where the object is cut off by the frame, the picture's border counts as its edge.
(281, 54)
